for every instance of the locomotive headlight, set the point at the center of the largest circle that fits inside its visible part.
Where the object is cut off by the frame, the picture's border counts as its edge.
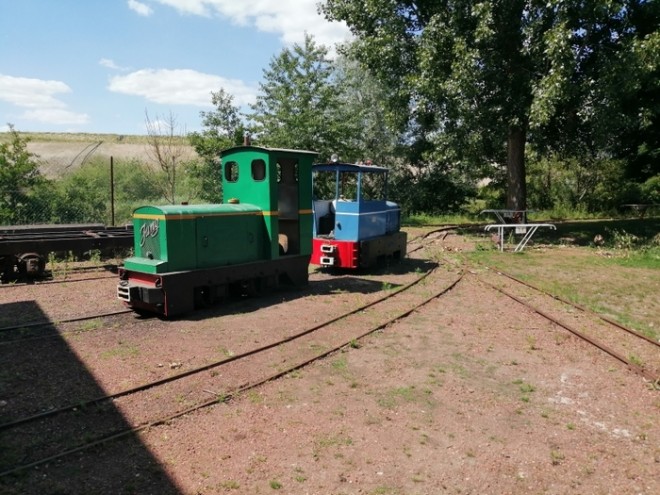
(334, 158)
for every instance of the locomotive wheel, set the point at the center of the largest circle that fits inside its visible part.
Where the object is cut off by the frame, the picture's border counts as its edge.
(202, 297)
(7, 267)
(253, 287)
(249, 288)
(31, 265)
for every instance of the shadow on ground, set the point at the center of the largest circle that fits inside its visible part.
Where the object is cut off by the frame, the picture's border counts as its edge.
(43, 375)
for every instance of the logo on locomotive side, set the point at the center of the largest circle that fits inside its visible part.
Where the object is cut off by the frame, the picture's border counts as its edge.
(148, 230)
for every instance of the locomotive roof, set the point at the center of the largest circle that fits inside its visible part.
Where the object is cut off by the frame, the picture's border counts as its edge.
(348, 167)
(201, 209)
(267, 150)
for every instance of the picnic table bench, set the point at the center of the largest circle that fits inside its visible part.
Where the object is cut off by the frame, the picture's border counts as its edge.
(640, 208)
(508, 216)
(528, 229)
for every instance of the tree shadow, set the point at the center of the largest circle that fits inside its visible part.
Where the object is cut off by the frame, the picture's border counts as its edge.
(46, 374)
(338, 281)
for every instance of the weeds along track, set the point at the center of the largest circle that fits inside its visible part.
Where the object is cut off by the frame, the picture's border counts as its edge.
(37, 310)
(23, 332)
(45, 329)
(636, 351)
(75, 274)
(420, 241)
(31, 440)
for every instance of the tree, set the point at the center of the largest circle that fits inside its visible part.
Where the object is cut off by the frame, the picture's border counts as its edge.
(636, 88)
(484, 76)
(19, 174)
(298, 104)
(368, 131)
(166, 148)
(223, 128)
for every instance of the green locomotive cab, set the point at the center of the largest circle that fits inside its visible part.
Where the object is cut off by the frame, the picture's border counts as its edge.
(187, 256)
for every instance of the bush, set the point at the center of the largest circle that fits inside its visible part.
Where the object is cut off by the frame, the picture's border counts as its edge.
(650, 190)
(591, 185)
(431, 191)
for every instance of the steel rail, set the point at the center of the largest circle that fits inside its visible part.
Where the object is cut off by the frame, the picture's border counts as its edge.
(51, 323)
(240, 389)
(577, 306)
(426, 235)
(53, 282)
(632, 366)
(38, 324)
(193, 371)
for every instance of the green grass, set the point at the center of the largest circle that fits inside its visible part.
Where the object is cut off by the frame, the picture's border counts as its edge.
(122, 351)
(615, 280)
(89, 325)
(229, 485)
(391, 398)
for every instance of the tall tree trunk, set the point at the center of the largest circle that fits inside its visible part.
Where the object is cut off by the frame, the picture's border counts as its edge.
(516, 196)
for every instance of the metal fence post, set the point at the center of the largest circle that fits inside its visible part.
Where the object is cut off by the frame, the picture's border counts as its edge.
(112, 191)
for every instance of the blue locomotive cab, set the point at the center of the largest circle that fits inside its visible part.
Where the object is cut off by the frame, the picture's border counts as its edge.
(354, 223)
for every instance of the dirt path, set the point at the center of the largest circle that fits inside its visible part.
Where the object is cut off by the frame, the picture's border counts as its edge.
(473, 394)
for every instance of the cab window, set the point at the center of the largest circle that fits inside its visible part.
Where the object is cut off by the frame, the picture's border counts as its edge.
(258, 170)
(231, 172)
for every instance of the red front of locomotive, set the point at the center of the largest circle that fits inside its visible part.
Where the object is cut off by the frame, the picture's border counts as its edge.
(335, 254)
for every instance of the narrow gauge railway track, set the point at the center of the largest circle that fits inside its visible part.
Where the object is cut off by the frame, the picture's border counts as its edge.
(423, 237)
(26, 436)
(28, 330)
(25, 328)
(29, 308)
(636, 351)
(67, 279)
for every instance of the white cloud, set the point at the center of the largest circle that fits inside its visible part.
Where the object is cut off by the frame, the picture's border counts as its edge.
(38, 96)
(31, 93)
(110, 64)
(289, 19)
(59, 116)
(141, 8)
(180, 87)
(195, 7)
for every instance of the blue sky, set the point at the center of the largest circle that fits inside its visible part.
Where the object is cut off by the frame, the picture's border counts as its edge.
(100, 66)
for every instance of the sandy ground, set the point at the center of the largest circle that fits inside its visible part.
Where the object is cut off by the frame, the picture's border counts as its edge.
(471, 394)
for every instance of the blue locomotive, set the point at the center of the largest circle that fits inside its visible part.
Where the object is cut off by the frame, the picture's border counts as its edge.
(355, 226)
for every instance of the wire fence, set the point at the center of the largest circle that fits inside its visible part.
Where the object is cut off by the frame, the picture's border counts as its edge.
(18, 208)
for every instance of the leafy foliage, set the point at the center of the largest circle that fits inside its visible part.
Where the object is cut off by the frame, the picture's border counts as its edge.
(19, 174)
(223, 128)
(475, 80)
(368, 130)
(431, 191)
(650, 190)
(298, 104)
(579, 184)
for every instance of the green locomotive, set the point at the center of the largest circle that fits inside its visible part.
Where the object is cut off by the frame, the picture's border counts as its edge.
(187, 256)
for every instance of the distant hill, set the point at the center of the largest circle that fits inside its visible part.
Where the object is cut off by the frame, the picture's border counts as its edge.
(59, 152)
